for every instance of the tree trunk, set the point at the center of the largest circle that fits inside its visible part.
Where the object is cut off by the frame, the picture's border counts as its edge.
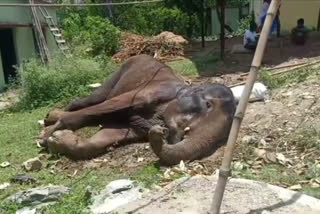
(202, 20)
(222, 25)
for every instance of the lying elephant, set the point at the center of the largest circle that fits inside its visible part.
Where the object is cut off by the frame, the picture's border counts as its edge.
(145, 99)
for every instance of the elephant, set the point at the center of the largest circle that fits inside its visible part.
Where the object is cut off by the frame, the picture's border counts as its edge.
(144, 100)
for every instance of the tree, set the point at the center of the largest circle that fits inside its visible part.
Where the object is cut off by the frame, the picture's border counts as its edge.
(192, 7)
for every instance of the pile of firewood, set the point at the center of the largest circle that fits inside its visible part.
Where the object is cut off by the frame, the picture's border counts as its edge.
(159, 47)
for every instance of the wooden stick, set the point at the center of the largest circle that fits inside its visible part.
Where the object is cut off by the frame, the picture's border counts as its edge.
(278, 67)
(282, 72)
(225, 171)
(292, 69)
(79, 5)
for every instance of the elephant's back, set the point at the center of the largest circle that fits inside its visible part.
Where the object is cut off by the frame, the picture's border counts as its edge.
(138, 71)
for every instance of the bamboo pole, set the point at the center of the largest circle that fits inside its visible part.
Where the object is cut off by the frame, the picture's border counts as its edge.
(225, 171)
(78, 5)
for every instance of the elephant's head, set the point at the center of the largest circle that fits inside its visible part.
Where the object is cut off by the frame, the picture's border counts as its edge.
(198, 121)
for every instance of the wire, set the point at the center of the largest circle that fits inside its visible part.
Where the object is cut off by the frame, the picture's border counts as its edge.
(80, 5)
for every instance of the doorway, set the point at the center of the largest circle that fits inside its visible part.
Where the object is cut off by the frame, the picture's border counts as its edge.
(8, 54)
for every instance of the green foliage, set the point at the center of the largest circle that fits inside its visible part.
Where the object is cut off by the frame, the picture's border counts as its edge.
(148, 175)
(95, 34)
(308, 138)
(244, 24)
(62, 79)
(152, 19)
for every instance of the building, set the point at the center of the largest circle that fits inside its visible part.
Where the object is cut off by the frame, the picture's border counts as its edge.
(17, 37)
(292, 10)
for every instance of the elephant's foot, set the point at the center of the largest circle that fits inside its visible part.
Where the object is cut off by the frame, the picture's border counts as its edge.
(53, 116)
(47, 132)
(67, 143)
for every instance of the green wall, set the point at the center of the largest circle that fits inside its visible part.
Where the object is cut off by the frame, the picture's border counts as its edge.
(24, 43)
(19, 15)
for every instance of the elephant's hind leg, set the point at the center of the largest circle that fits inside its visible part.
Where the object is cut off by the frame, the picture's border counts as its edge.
(68, 143)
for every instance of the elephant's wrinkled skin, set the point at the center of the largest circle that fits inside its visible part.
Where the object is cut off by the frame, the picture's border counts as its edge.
(145, 99)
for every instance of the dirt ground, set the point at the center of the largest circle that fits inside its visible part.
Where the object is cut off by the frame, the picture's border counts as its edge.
(279, 52)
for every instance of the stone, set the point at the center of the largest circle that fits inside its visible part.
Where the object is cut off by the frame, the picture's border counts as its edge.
(94, 85)
(194, 195)
(22, 178)
(117, 193)
(39, 195)
(247, 139)
(4, 186)
(27, 210)
(33, 164)
(5, 164)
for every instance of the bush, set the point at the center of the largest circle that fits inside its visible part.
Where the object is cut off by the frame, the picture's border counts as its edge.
(60, 80)
(173, 20)
(96, 34)
(153, 20)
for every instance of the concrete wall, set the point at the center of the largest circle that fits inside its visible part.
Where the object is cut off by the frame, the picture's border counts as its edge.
(24, 43)
(20, 15)
(291, 11)
(19, 19)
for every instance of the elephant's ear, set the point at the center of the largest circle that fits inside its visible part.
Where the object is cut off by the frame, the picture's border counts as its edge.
(192, 103)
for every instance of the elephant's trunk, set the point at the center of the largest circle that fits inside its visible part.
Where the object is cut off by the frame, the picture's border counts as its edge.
(202, 140)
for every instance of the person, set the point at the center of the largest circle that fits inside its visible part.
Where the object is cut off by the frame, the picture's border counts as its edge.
(263, 12)
(299, 33)
(263, 16)
(250, 39)
(277, 20)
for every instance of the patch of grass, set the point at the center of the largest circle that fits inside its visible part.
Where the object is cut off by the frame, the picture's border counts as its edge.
(184, 67)
(194, 67)
(285, 79)
(208, 62)
(148, 175)
(308, 138)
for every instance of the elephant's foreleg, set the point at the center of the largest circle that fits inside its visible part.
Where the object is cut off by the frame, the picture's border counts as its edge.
(67, 143)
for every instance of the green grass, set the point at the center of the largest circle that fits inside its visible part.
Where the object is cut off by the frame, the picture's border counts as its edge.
(184, 67)
(17, 144)
(199, 65)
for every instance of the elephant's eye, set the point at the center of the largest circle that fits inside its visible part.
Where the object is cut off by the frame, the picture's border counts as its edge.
(208, 104)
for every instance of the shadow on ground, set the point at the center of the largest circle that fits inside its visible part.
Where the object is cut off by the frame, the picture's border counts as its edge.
(279, 52)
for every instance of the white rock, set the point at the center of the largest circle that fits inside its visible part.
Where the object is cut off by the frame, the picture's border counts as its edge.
(94, 85)
(27, 210)
(116, 194)
(39, 195)
(5, 164)
(4, 186)
(33, 164)
(247, 139)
